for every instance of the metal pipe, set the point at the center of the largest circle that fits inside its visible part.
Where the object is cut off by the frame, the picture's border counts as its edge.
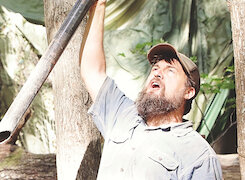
(43, 68)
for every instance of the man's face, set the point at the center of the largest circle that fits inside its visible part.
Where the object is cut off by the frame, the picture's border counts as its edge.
(165, 89)
(166, 79)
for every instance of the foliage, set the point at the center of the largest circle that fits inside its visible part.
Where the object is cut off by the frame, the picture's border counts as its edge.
(142, 48)
(194, 59)
(213, 84)
(225, 120)
(222, 107)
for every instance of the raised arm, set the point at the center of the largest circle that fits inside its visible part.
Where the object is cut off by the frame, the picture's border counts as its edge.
(93, 65)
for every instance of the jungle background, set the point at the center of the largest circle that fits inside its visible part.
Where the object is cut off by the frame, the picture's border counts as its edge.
(200, 29)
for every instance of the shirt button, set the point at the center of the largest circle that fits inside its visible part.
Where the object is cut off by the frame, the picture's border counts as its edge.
(121, 170)
(133, 148)
(160, 158)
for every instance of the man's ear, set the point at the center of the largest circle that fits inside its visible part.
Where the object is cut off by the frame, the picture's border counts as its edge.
(189, 93)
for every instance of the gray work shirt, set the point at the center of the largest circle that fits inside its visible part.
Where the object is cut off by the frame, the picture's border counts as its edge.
(133, 150)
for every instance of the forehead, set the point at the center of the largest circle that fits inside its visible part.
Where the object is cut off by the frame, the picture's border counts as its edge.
(169, 63)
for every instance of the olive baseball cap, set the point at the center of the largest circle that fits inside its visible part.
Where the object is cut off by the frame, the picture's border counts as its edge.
(166, 50)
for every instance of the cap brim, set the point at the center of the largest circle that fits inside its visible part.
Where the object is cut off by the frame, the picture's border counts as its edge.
(161, 49)
(168, 51)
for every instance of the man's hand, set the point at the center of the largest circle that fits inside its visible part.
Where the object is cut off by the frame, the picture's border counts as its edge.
(98, 3)
(101, 1)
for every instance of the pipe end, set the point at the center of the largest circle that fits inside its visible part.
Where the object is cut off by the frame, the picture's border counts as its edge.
(4, 135)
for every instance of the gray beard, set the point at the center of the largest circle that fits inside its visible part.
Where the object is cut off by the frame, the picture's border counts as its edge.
(151, 105)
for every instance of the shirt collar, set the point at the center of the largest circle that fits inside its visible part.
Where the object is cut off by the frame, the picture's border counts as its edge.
(177, 129)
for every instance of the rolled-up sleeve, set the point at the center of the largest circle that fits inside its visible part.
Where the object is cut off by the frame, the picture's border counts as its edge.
(108, 104)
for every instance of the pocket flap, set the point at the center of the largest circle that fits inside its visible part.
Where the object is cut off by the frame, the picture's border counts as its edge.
(123, 130)
(118, 136)
(164, 159)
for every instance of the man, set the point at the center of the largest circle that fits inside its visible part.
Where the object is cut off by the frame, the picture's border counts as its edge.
(146, 140)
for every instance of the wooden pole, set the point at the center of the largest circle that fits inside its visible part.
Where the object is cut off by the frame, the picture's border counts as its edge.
(45, 65)
(237, 10)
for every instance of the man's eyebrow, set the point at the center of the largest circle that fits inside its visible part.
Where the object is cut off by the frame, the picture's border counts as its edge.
(168, 66)
(155, 65)
(171, 66)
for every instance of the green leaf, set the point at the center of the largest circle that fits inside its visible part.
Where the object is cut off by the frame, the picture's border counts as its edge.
(194, 59)
(142, 48)
(121, 54)
(230, 69)
(212, 112)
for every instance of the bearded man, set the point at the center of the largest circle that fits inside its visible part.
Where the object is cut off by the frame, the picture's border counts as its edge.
(147, 139)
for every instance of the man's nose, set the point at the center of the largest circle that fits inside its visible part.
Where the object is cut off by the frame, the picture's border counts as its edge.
(158, 75)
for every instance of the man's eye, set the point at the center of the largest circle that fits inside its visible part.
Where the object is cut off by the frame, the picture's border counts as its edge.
(171, 70)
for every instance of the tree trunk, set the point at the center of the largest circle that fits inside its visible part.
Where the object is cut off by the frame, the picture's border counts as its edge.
(78, 141)
(237, 10)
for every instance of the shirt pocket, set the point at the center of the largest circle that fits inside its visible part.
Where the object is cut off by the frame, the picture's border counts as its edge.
(165, 160)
